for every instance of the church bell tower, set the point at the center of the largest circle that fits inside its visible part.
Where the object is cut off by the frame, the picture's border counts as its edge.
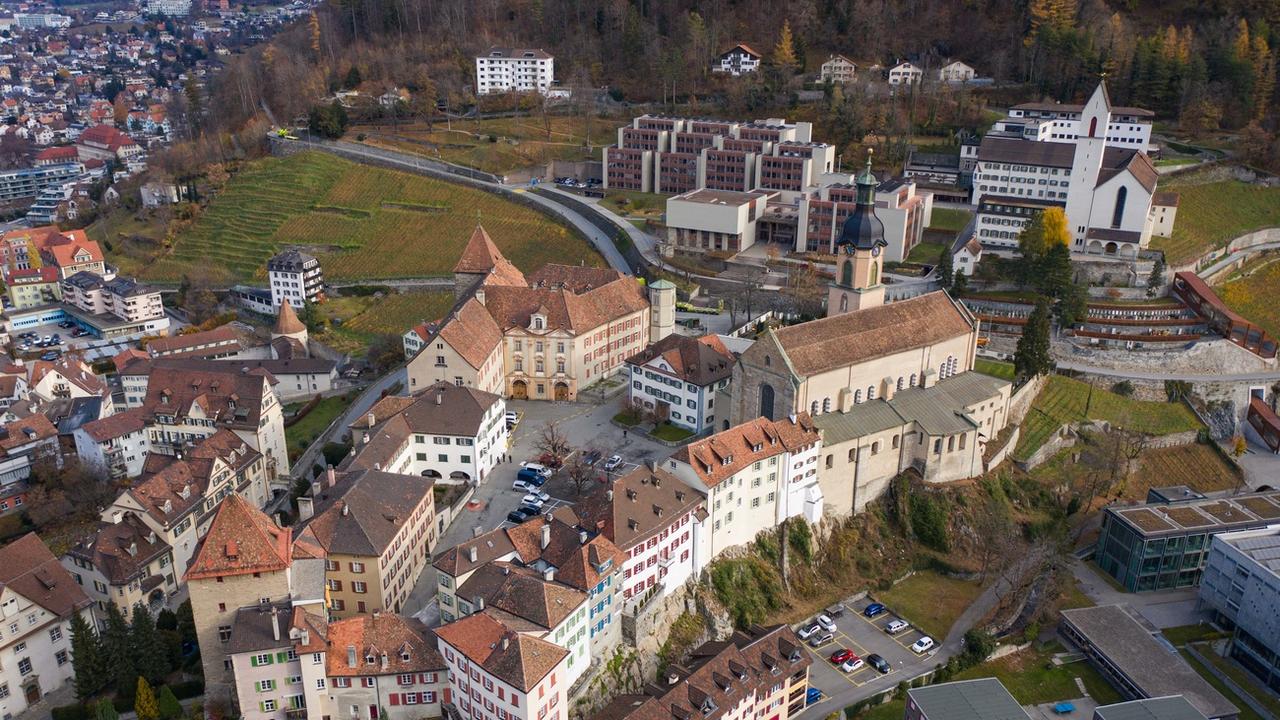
(859, 253)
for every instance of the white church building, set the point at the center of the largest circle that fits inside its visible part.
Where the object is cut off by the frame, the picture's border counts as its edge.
(1108, 192)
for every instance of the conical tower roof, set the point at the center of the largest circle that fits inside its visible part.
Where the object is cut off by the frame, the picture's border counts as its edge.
(287, 322)
(863, 230)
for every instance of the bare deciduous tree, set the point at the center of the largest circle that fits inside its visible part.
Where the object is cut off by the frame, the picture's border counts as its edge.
(553, 443)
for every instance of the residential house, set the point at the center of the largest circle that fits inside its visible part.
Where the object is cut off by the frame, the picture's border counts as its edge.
(956, 72)
(502, 70)
(738, 60)
(517, 674)
(676, 379)
(125, 563)
(905, 73)
(838, 69)
(115, 445)
(384, 667)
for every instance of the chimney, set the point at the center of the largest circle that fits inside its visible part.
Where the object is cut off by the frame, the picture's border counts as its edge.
(506, 569)
(384, 662)
(546, 535)
(472, 553)
(506, 642)
(275, 624)
(673, 678)
(370, 419)
(652, 465)
(330, 477)
(439, 398)
(346, 509)
(479, 603)
(351, 656)
(306, 508)
(315, 488)
(583, 537)
(608, 495)
(549, 574)
(476, 531)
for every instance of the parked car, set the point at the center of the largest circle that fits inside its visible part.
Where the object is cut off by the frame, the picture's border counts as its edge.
(821, 638)
(533, 499)
(530, 510)
(591, 457)
(807, 631)
(542, 470)
(512, 418)
(834, 611)
(841, 655)
(874, 609)
(896, 626)
(851, 664)
(812, 696)
(519, 516)
(612, 463)
(922, 645)
(539, 496)
(524, 486)
(50, 356)
(827, 623)
(878, 663)
(531, 476)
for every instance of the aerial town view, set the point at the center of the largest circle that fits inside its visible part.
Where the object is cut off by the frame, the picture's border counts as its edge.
(639, 359)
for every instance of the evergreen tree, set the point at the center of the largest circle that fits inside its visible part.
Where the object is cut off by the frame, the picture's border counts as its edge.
(1054, 271)
(946, 272)
(959, 284)
(353, 78)
(1033, 356)
(170, 708)
(167, 620)
(1072, 306)
(105, 710)
(784, 53)
(117, 652)
(1155, 280)
(150, 656)
(187, 623)
(144, 702)
(86, 658)
(1032, 246)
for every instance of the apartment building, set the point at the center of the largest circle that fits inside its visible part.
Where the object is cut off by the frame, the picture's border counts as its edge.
(33, 287)
(559, 329)
(67, 377)
(103, 142)
(246, 560)
(38, 599)
(502, 70)
(496, 672)
(838, 69)
(442, 431)
(377, 530)
(1128, 127)
(900, 206)
(677, 377)
(754, 476)
(383, 667)
(125, 563)
(1241, 585)
(296, 277)
(658, 524)
(179, 495)
(266, 667)
(580, 557)
(22, 183)
(69, 251)
(124, 298)
(23, 443)
(757, 673)
(115, 445)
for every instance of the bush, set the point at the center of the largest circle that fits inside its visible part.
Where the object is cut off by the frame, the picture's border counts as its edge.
(978, 646)
(189, 689)
(71, 712)
(1124, 388)
(748, 587)
(170, 708)
(335, 452)
(929, 522)
(360, 137)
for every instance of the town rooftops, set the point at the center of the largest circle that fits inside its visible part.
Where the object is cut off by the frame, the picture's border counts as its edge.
(519, 660)
(121, 551)
(727, 452)
(1212, 514)
(638, 505)
(1172, 707)
(1153, 667)
(171, 486)
(938, 410)
(457, 561)
(702, 361)
(260, 627)
(1166, 199)
(32, 428)
(178, 388)
(362, 513)
(842, 340)
(979, 699)
(481, 256)
(404, 644)
(522, 592)
(565, 310)
(118, 425)
(241, 540)
(515, 53)
(107, 137)
(293, 261)
(287, 322)
(222, 339)
(30, 570)
(744, 48)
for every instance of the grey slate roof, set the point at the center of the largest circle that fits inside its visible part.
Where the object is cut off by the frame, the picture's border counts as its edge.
(251, 631)
(980, 699)
(1174, 707)
(939, 410)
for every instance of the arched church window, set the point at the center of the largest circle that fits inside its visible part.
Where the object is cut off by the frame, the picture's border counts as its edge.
(871, 392)
(766, 400)
(846, 273)
(857, 397)
(901, 382)
(813, 408)
(873, 277)
(1117, 215)
(913, 379)
(844, 303)
(826, 405)
(1093, 127)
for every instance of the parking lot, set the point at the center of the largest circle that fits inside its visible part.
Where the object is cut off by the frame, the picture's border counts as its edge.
(866, 636)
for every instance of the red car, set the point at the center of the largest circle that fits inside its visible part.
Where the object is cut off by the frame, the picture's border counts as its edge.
(841, 655)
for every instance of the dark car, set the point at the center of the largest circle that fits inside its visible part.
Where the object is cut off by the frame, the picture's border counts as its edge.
(878, 663)
(874, 609)
(530, 510)
(519, 516)
(51, 356)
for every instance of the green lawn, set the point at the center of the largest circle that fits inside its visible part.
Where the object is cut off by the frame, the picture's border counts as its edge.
(1210, 214)
(1241, 677)
(1065, 400)
(1246, 712)
(892, 710)
(631, 202)
(949, 219)
(1184, 634)
(627, 418)
(1175, 161)
(1254, 296)
(930, 601)
(1032, 679)
(302, 433)
(926, 253)
(994, 368)
(360, 221)
(671, 433)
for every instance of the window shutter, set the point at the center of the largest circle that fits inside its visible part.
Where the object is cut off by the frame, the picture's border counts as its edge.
(262, 705)
(253, 661)
(282, 657)
(395, 699)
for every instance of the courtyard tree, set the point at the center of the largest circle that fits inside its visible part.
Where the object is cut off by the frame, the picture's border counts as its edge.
(86, 658)
(946, 272)
(1033, 356)
(1155, 280)
(553, 444)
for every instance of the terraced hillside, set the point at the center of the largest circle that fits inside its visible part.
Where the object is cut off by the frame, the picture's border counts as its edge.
(361, 222)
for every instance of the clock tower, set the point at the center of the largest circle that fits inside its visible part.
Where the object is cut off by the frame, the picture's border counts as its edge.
(859, 253)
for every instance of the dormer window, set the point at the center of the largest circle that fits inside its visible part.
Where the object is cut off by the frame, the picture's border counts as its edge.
(539, 322)
(369, 659)
(404, 656)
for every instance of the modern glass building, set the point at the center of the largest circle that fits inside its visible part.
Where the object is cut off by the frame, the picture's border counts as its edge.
(1161, 545)
(1242, 586)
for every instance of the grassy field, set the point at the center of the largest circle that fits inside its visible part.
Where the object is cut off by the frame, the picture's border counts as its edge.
(355, 321)
(301, 434)
(517, 142)
(1032, 679)
(633, 204)
(1254, 296)
(926, 253)
(1246, 712)
(1184, 634)
(930, 601)
(1197, 466)
(1064, 400)
(360, 221)
(994, 368)
(949, 219)
(1210, 214)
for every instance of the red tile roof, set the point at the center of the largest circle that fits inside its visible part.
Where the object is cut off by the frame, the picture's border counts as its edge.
(377, 635)
(29, 569)
(521, 661)
(482, 257)
(241, 540)
(725, 453)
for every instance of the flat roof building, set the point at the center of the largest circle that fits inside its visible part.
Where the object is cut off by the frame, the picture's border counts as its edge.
(1174, 707)
(1138, 664)
(1242, 586)
(1160, 544)
(979, 699)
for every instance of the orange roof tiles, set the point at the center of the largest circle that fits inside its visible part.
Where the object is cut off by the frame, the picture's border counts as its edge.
(725, 453)
(241, 540)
